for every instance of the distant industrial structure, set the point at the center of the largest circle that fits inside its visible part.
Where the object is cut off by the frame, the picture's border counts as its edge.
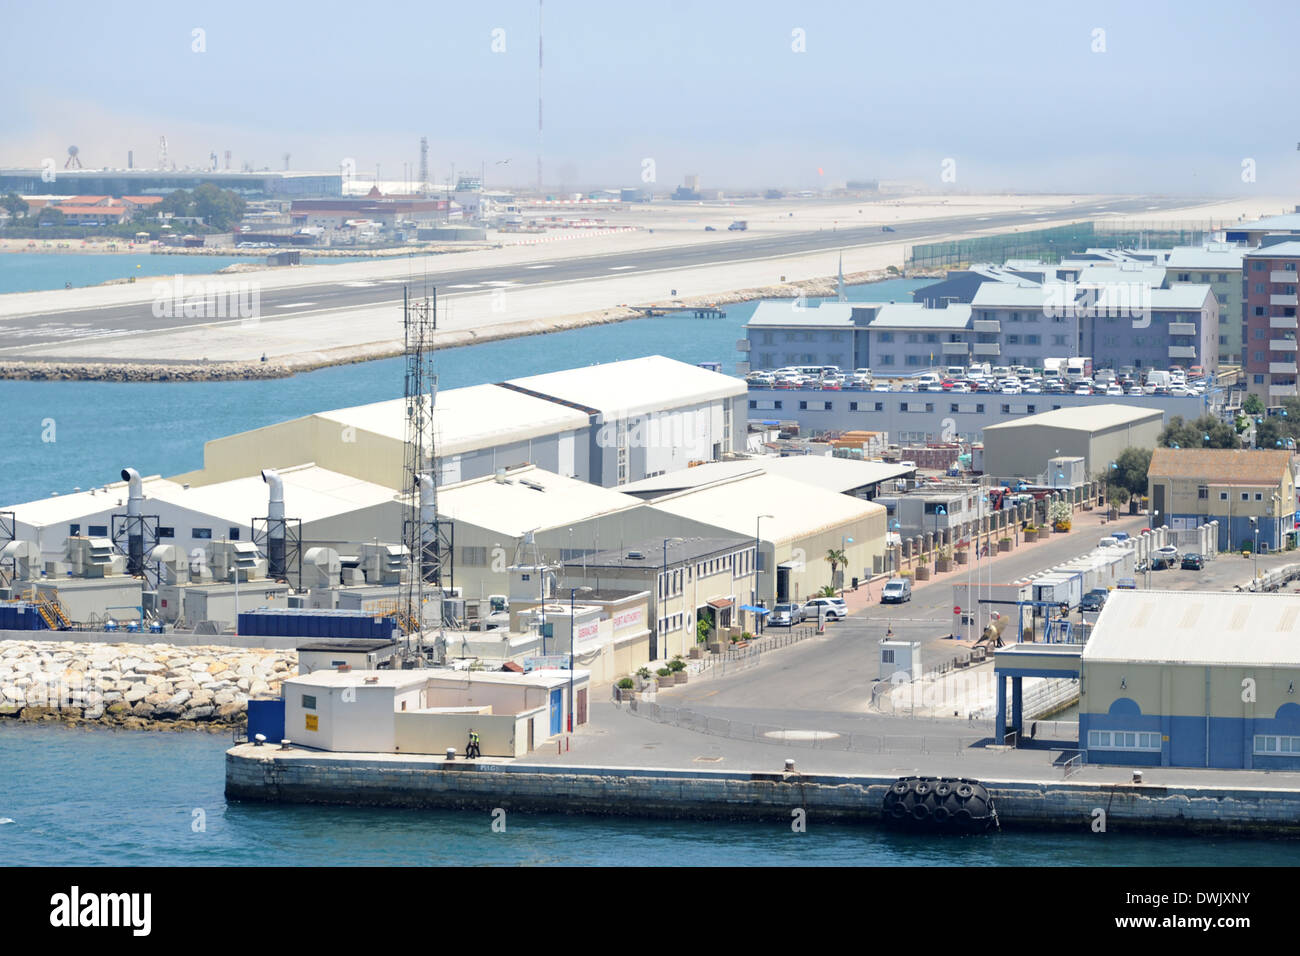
(266, 184)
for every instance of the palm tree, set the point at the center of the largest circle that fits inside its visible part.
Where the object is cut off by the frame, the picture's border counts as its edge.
(835, 558)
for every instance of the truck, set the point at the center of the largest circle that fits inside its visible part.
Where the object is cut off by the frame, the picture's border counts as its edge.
(740, 225)
(1053, 370)
(1065, 588)
(1078, 369)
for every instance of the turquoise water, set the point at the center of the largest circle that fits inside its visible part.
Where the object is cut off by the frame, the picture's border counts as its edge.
(160, 428)
(101, 797)
(34, 271)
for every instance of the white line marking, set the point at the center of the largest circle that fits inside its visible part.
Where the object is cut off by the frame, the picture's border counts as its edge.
(295, 305)
(465, 285)
(539, 267)
(620, 268)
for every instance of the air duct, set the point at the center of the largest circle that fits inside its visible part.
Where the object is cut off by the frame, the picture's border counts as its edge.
(275, 531)
(134, 524)
(428, 525)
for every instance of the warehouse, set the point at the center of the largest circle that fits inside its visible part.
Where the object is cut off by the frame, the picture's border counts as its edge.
(1210, 683)
(1097, 434)
(334, 510)
(579, 423)
(795, 524)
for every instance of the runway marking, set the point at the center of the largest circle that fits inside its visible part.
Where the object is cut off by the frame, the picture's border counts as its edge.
(506, 282)
(295, 305)
(539, 267)
(359, 285)
(465, 285)
(620, 268)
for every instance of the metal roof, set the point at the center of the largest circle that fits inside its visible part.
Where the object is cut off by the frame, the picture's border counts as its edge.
(794, 314)
(1225, 465)
(992, 295)
(528, 499)
(1197, 628)
(830, 473)
(652, 552)
(1088, 418)
(915, 316)
(635, 386)
(1277, 250)
(311, 493)
(1209, 257)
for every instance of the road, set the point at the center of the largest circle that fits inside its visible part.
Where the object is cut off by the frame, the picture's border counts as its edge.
(47, 327)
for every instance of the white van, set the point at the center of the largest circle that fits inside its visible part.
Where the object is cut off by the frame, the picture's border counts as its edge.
(896, 591)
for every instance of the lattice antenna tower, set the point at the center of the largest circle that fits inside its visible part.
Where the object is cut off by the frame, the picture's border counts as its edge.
(420, 320)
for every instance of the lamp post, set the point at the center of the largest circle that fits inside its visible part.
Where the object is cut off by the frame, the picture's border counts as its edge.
(758, 551)
(895, 527)
(664, 616)
(573, 640)
(1254, 525)
(939, 510)
(844, 541)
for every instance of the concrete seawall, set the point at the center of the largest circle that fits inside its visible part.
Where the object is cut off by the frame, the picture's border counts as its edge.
(268, 774)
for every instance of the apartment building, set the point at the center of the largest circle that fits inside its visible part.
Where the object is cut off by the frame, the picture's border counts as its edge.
(1269, 282)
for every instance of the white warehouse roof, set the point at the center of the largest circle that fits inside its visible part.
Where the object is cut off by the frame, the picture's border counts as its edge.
(798, 510)
(1088, 418)
(311, 493)
(633, 387)
(528, 499)
(1198, 627)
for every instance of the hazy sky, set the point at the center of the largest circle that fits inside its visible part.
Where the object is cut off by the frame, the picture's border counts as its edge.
(1013, 93)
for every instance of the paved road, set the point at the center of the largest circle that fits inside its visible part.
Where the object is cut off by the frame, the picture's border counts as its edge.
(278, 305)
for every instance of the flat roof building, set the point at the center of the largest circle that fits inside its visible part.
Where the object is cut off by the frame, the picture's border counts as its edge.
(1245, 490)
(1096, 433)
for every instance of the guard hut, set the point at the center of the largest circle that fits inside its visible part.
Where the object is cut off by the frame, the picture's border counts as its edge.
(900, 661)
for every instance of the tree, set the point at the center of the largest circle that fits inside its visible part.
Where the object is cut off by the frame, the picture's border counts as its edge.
(219, 208)
(1253, 405)
(1205, 432)
(1281, 430)
(835, 558)
(1130, 472)
(15, 205)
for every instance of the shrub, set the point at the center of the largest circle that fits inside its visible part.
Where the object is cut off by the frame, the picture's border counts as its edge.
(745, 635)
(701, 630)
(626, 683)
(643, 673)
(677, 664)
(664, 672)
(1004, 540)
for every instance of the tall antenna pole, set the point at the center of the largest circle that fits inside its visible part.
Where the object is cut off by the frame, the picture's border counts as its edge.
(539, 96)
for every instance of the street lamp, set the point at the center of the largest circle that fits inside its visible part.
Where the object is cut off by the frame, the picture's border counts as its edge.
(664, 616)
(843, 550)
(896, 528)
(758, 551)
(939, 510)
(1254, 525)
(573, 640)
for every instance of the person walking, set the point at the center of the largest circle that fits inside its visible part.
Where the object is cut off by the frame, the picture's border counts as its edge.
(472, 751)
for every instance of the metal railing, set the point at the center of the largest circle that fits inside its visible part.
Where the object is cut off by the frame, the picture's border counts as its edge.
(1072, 766)
(947, 744)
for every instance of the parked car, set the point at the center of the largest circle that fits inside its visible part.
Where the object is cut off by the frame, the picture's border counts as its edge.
(833, 608)
(785, 615)
(888, 229)
(1193, 562)
(896, 591)
(1094, 600)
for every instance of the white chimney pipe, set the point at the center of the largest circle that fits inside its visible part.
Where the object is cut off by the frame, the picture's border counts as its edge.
(136, 490)
(275, 508)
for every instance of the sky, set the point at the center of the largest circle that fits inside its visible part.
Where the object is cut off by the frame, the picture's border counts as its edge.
(1192, 97)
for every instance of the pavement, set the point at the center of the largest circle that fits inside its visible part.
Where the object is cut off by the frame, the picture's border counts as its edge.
(318, 314)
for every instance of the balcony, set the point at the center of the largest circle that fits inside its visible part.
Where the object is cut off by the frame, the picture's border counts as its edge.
(988, 325)
(1285, 276)
(1282, 368)
(1282, 391)
(1282, 322)
(987, 348)
(1281, 345)
(1290, 299)
(1182, 351)
(1182, 328)
(956, 348)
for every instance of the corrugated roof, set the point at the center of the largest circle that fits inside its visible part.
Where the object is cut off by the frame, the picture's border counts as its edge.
(58, 509)
(311, 493)
(1277, 250)
(797, 509)
(1089, 418)
(1198, 628)
(830, 473)
(635, 386)
(1283, 222)
(1229, 465)
(529, 499)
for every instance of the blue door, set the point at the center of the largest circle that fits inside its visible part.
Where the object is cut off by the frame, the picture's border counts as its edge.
(557, 710)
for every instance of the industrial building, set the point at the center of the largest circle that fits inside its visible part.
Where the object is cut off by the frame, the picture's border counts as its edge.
(924, 417)
(1247, 491)
(687, 580)
(578, 423)
(795, 525)
(1096, 433)
(266, 184)
(1193, 679)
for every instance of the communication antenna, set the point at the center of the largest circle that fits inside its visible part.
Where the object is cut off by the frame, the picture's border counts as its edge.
(424, 165)
(73, 161)
(162, 152)
(427, 540)
(539, 96)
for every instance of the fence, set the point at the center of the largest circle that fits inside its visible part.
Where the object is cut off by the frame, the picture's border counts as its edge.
(946, 744)
(734, 657)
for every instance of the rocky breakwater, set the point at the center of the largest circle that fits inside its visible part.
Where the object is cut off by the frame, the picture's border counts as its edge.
(137, 686)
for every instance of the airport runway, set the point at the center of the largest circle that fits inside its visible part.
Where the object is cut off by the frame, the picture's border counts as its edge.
(43, 329)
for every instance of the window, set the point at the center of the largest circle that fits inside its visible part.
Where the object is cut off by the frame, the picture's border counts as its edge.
(1259, 379)
(880, 406)
(1223, 496)
(74, 529)
(1006, 409)
(1184, 277)
(1245, 496)
(887, 657)
(1267, 744)
(913, 337)
(1033, 339)
(778, 404)
(164, 532)
(1259, 311)
(1259, 496)
(97, 530)
(1203, 493)
(979, 409)
(1223, 277)
(803, 406)
(474, 557)
(885, 337)
(234, 534)
(1031, 409)
(929, 406)
(1122, 740)
(753, 404)
(887, 360)
(309, 701)
(1261, 333)
(953, 408)
(201, 533)
(853, 406)
(1257, 266)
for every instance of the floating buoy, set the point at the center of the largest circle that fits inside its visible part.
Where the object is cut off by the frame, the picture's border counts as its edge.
(939, 805)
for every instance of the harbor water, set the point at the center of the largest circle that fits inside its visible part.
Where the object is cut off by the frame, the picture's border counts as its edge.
(91, 797)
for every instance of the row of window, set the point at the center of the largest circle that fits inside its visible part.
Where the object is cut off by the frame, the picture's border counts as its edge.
(164, 531)
(1265, 744)
(1122, 740)
(776, 405)
(1205, 277)
(671, 623)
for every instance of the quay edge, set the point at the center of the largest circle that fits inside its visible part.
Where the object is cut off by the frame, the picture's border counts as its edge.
(269, 775)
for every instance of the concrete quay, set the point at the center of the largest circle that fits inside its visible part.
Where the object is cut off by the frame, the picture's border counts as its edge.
(271, 774)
